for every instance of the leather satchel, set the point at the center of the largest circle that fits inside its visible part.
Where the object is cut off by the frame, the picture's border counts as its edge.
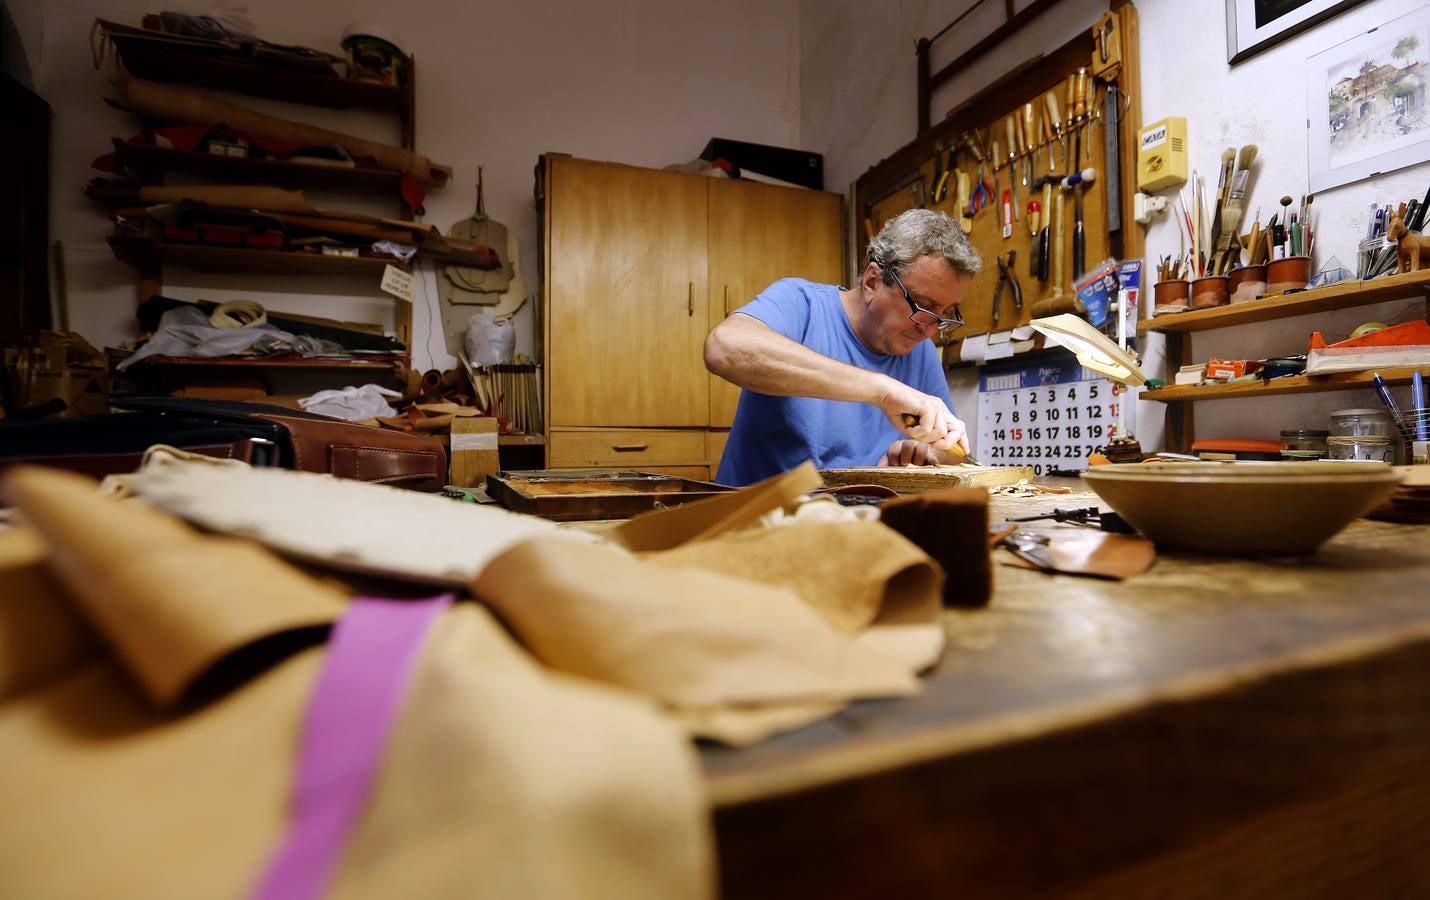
(255, 433)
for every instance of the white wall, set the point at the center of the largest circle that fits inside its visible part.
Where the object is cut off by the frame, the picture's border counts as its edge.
(858, 104)
(637, 81)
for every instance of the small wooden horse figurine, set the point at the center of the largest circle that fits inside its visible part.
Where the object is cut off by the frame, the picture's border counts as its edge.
(1412, 250)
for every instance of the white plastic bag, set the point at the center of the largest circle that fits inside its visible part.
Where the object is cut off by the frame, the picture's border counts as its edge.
(489, 340)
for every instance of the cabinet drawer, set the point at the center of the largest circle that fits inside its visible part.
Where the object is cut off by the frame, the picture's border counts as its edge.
(715, 445)
(625, 448)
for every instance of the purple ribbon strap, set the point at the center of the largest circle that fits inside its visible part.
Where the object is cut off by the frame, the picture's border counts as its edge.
(371, 655)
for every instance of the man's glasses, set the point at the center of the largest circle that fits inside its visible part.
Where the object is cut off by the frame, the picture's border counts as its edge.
(926, 317)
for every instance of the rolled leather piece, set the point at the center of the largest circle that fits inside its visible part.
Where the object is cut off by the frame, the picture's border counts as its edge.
(168, 102)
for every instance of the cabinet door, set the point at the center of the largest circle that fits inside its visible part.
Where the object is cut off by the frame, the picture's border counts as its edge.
(626, 286)
(759, 234)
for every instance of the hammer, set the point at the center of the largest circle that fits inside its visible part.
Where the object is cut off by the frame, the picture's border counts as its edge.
(1074, 182)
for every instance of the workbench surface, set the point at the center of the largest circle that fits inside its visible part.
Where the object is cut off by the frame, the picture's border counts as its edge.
(1215, 727)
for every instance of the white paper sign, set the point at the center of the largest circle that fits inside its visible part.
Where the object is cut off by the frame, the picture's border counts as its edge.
(397, 282)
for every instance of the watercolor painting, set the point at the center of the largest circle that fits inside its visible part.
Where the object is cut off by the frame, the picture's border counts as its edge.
(1367, 101)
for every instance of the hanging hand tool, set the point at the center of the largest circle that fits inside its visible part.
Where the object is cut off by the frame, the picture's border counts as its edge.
(940, 175)
(982, 194)
(1005, 207)
(1035, 220)
(1007, 276)
(1080, 98)
(965, 219)
(1050, 101)
(1076, 181)
(1012, 162)
(1044, 239)
(1111, 156)
(1030, 136)
(1022, 139)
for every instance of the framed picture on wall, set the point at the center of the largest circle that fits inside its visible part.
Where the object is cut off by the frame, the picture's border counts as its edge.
(1255, 25)
(1366, 103)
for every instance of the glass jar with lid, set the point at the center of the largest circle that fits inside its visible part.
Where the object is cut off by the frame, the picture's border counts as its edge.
(1371, 447)
(1362, 421)
(1303, 443)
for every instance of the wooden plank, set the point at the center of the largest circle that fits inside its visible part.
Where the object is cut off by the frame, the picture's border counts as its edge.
(1342, 295)
(915, 479)
(1291, 384)
(1215, 727)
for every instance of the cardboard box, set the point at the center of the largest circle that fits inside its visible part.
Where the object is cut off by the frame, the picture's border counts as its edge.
(1229, 369)
(63, 365)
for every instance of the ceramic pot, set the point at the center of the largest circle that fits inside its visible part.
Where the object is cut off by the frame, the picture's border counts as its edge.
(1246, 283)
(1289, 274)
(1209, 291)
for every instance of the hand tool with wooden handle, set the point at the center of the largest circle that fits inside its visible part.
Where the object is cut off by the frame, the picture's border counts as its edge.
(1030, 134)
(964, 220)
(1044, 236)
(1012, 163)
(956, 452)
(1050, 100)
(1075, 181)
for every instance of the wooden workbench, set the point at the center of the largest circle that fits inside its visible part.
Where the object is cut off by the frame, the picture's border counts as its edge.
(1213, 728)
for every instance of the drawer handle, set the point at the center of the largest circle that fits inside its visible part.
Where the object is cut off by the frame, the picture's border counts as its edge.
(626, 448)
(727, 300)
(690, 300)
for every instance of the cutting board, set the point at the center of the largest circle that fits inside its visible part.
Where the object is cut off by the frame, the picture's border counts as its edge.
(913, 479)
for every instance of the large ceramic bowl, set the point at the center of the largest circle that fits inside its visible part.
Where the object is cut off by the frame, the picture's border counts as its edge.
(1242, 507)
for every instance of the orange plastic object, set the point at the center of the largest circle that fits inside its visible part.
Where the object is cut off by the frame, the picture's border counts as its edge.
(1404, 335)
(1238, 446)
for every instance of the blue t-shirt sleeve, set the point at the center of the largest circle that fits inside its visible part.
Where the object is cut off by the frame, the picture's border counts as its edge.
(783, 307)
(931, 379)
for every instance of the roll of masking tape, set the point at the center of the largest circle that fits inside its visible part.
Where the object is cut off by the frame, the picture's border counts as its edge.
(238, 314)
(1367, 328)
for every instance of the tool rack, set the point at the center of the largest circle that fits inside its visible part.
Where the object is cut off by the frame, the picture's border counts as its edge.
(1017, 105)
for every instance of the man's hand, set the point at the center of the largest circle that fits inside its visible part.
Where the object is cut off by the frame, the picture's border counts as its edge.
(933, 423)
(909, 453)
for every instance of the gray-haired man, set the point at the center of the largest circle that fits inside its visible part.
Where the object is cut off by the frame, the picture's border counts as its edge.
(829, 373)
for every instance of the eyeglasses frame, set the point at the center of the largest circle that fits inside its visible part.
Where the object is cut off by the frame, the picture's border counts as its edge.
(945, 326)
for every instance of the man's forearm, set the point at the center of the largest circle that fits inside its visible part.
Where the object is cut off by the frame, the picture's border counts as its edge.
(749, 354)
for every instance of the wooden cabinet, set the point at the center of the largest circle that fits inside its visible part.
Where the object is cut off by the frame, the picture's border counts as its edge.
(759, 234)
(626, 294)
(639, 265)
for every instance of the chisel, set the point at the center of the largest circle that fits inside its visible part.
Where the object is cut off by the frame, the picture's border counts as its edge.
(957, 453)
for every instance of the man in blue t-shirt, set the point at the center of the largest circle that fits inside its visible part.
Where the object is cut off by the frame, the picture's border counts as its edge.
(829, 374)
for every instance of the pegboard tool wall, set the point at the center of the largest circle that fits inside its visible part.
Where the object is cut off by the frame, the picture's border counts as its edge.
(889, 187)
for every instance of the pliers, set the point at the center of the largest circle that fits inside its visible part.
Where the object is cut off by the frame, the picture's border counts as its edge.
(982, 193)
(1006, 275)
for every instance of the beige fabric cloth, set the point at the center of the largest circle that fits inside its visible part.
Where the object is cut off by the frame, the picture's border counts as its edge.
(501, 779)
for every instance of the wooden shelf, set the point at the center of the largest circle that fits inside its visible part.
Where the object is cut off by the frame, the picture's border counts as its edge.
(519, 439)
(158, 61)
(294, 362)
(1291, 384)
(150, 162)
(1342, 295)
(145, 254)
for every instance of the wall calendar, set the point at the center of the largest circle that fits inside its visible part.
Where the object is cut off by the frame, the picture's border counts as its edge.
(1048, 416)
